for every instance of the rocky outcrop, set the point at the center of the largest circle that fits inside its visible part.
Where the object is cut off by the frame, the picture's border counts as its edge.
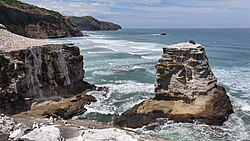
(31, 21)
(37, 72)
(64, 108)
(90, 23)
(185, 90)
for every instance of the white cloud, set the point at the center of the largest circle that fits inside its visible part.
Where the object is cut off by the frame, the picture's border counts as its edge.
(126, 1)
(136, 12)
(75, 8)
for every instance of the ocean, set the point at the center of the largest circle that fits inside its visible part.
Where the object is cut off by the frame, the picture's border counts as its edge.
(125, 61)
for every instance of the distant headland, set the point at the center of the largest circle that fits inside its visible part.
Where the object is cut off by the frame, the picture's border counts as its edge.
(35, 22)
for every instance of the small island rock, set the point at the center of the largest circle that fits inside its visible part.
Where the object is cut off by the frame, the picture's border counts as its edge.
(186, 90)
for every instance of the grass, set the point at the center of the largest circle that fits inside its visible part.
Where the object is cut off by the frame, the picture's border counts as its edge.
(15, 4)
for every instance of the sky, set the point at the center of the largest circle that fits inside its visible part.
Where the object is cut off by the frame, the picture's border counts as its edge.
(157, 13)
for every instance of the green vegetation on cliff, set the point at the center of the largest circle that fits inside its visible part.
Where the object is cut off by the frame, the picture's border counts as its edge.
(90, 23)
(35, 22)
(28, 8)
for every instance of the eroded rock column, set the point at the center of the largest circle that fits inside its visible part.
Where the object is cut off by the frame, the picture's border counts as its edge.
(186, 90)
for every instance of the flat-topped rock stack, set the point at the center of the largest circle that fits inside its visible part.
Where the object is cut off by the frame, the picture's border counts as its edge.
(186, 90)
(183, 73)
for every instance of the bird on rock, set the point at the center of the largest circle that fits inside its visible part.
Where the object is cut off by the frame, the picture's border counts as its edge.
(17, 134)
(80, 137)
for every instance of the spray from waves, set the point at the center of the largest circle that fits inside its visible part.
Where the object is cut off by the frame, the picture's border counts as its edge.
(237, 80)
(232, 130)
(122, 95)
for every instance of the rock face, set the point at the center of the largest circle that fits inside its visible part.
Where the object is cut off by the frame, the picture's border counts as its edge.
(185, 90)
(31, 21)
(90, 23)
(36, 72)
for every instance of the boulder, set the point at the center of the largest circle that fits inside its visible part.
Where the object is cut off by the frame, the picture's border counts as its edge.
(45, 133)
(186, 90)
(65, 108)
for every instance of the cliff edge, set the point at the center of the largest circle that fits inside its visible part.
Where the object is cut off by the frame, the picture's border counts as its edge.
(186, 90)
(32, 70)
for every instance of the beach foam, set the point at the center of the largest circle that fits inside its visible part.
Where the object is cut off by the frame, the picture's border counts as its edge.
(122, 95)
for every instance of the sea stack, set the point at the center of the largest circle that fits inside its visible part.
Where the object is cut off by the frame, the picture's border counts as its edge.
(186, 90)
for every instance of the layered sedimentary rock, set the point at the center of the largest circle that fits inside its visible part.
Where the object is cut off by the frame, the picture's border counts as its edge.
(34, 69)
(185, 90)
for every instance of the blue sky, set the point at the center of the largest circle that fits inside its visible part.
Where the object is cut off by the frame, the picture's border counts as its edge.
(158, 13)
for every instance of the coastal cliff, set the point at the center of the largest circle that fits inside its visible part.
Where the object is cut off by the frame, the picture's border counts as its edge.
(33, 70)
(32, 21)
(50, 76)
(90, 23)
(186, 90)
(35, 22)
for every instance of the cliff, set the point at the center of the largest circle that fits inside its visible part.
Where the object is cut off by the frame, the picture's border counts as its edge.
(33, 69)
(32, 21)
(90, 23)
(186, 90)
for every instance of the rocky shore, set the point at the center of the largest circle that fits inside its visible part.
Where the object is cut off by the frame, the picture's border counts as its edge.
(36, 71)
(42, 88)
(186, 90)
(57, 129)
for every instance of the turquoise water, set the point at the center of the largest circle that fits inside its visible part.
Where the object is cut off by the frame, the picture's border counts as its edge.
(124, 61)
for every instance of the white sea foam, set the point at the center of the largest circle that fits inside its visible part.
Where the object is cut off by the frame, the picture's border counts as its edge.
(237, 79)
(136, 67)
(131, 91)
(246, 108)
(146, 47)
(151, 57)
(102, 72)
(97, 52)
(128, 86)
(127, 46)
(233, 129)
